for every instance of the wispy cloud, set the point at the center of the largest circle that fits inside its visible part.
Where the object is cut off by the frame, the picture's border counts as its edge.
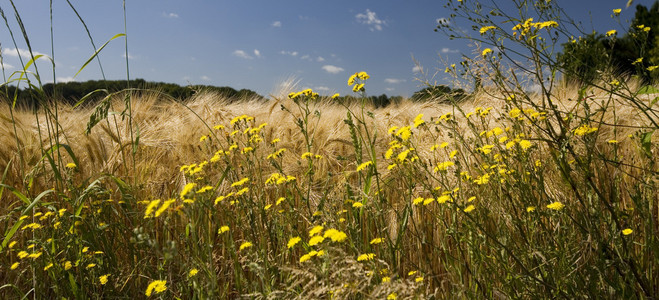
(12, 52)
(65, 79)
(370, 18)
(242, 54)
(276, 24)
(332, 69)
(389, 89)
(320, 59)
(394, 80)
(7, 66)
(417, 69)
(322, 88)
(170, 15)
(205, 78)
(130, 56)
(449, 50)
(257, 53)
(291, 53)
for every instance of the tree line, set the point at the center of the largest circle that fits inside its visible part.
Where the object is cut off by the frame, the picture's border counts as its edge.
(632, 54)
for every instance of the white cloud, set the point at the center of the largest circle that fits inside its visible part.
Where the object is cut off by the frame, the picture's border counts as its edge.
(22, 52)
(170, 15)
(322, 88)
(276, 24)
(370, 18)
(205, 78)
(320, 59)
(449, 50)
(332, 69)
(394, 80)
(443, 21)
(65, 79)
(241, 54)
(306, 57)
(291, 53)
(389, 89)
(257, 53)
(417, 69)
(130, 56)
(7, 66)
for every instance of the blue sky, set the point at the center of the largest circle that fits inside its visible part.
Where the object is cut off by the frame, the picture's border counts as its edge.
(259, 44)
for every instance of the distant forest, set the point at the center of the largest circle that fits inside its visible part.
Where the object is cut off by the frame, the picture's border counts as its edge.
(72, 92)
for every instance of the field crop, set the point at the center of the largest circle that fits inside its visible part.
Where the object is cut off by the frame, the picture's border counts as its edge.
(506, 194)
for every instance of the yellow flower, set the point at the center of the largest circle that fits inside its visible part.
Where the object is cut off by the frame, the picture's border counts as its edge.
(149, 209)
(335, 96)
(393, 296)
(362, 75)
(627, 231)
(611, 32)
(376, 241)
(186, 189)
(357, 204)
(89, 266)
(351, 79)
(530, 209)
(164, 207)
(386, 279)
(613, 142)
(617, 11)
(12, 244)
(158, 286)
(14, 266)
(469, 208)
(305, 257)
(638, 61)
(50, 265)
(418, 121)
(240, 182)
(245, 245)
(223, 229)
(193, 272)
(358, 87)
(22, 254)
(71, 165)
(315, 230)
(364, 165)
(293, 241)
(525, 144)
(485, 29)
(652, 68)
(556, 206)
(316, 240)
(367, 256)
(335, 235)
(486, 51)
(103, 279)
(67, 265)
(584, 129)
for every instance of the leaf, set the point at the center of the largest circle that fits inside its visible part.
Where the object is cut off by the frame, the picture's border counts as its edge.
(646, 142)
(85, 97)
(14, 228)
(97, 52)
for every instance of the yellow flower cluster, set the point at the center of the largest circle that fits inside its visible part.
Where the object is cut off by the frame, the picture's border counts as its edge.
(308, 94)
(356, 85)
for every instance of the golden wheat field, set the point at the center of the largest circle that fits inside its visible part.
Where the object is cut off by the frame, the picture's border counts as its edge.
(533, 176)
(305, 197)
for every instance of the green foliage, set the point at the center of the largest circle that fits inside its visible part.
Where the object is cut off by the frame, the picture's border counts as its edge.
(441, 93)
(586, 58)
(72, 92)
